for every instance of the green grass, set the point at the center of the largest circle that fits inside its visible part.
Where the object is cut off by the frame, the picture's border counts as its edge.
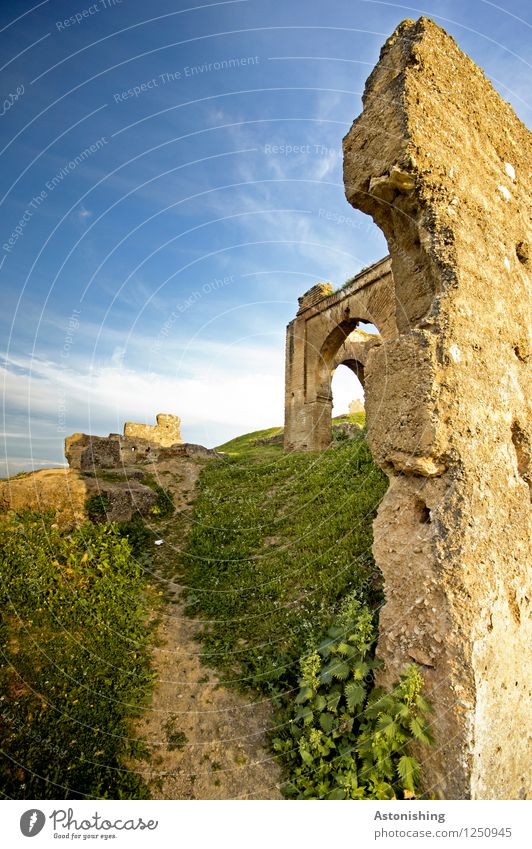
(278, 568)
(245, 445)
(277, 541)
(352, 418)
(74, 639)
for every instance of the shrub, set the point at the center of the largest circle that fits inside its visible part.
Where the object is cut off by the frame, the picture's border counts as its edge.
(139, 537)
(164, 505)
(97, 507)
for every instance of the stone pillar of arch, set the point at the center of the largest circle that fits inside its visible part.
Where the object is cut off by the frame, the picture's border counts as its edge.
(442, 164)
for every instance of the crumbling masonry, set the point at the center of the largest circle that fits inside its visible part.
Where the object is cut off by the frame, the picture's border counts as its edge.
(443, 166)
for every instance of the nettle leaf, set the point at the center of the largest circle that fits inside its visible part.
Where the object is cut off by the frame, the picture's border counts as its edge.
(304, 695)
(319, 704)
(333, 698)
(378, 706)
(360, 669)
(335, 632)
(387, 724)
(327, 722)
(383, 790)
(306, 757)
(420, 731)
(347, 752)
(339, 793)
(326, 674)
(355, 694)
(343, 648)
(408, 771)
(325, 647)
(423, 705)
(340, 670)
(304, 713)
(404, 711)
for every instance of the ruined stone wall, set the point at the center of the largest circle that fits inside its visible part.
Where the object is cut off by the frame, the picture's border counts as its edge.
(85, 452)
(166, 432)
(88, 453)
(443, 166)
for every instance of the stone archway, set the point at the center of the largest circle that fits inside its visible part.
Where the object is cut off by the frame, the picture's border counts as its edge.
(353, 354)
(325, 334)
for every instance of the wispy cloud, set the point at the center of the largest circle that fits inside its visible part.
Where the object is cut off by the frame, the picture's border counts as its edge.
(84, 214)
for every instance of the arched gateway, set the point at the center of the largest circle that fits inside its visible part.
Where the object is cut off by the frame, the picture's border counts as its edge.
(323, 336)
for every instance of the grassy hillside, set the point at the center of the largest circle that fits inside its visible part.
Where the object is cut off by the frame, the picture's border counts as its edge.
(278, 541)
(278, 568)
(73, 637)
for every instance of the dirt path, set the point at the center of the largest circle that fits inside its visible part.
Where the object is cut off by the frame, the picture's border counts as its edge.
(206, 742)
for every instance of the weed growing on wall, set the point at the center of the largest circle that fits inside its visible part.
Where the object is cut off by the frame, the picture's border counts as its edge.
(341, 738)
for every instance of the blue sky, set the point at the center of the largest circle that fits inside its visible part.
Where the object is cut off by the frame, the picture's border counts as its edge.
(170, 184)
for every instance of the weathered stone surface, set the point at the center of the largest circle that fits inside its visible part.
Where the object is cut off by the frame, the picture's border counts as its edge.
(346, 429)
(189, 449)
(90, 453)
(443, 165)
(276, 439)
(124, 499)
(114, 466)
(87, 453)
(65, 492)
(166, 432)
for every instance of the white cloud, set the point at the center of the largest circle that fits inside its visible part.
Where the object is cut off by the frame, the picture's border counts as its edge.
(221, 398)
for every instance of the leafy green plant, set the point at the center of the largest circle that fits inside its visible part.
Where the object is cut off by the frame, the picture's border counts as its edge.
(97, 507)
(164, 505)
(340, 436)
(278, 543)
(139, 537)
(342, 739)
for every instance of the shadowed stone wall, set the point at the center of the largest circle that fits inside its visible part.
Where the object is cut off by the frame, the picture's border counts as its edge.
(443, 166)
